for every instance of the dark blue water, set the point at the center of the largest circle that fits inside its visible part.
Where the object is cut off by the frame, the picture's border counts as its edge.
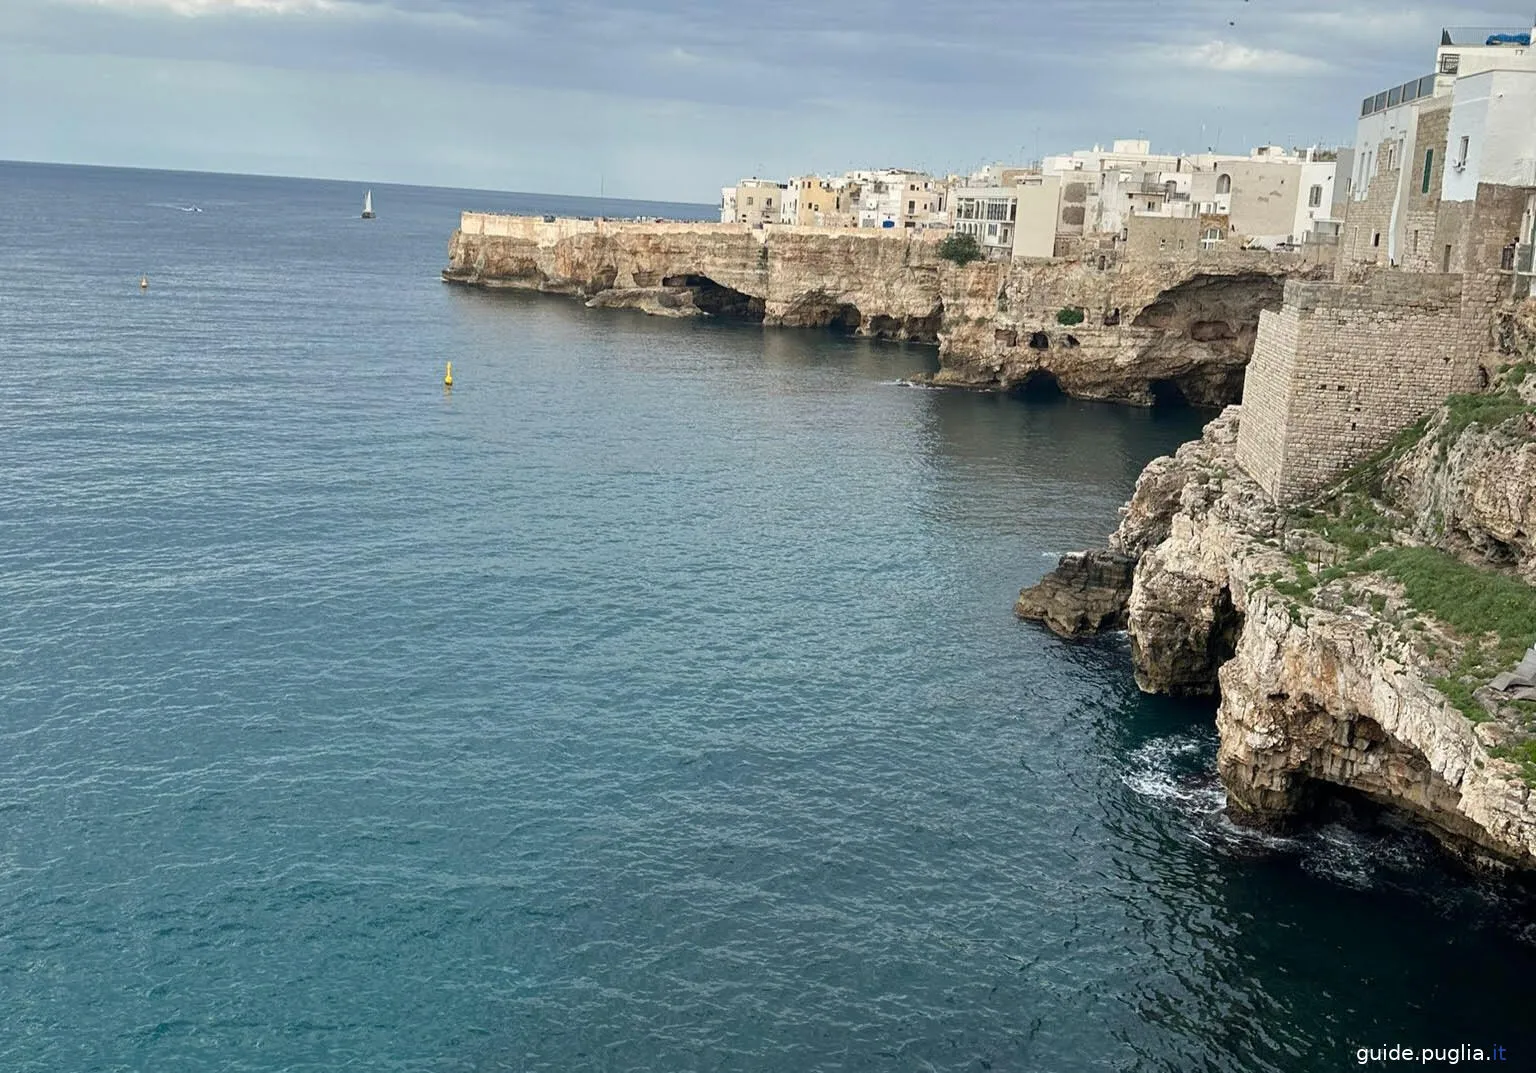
(650, 702)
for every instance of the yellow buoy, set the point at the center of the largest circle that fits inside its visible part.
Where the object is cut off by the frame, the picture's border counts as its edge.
(143, 283)
(448, 376)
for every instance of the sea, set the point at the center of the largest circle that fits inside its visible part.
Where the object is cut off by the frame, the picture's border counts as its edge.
(649, 701)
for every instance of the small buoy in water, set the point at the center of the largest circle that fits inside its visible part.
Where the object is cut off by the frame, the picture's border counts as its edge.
(143, 283)
(448, 376)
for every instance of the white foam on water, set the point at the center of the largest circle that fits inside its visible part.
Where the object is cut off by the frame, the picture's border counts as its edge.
(1155, 771)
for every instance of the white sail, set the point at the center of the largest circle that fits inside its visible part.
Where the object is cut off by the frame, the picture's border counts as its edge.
(368, 203)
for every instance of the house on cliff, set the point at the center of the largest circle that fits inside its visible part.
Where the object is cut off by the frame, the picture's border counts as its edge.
(1439, 231)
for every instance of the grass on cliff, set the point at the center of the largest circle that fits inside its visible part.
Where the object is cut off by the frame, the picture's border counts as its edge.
(1493, 613)
(1464, 411)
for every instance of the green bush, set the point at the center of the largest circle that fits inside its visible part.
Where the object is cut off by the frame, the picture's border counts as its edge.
(961, 249)
(1070, 316)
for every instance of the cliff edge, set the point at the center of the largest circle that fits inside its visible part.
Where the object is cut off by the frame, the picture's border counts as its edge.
(1098, 326)
(1354, 641)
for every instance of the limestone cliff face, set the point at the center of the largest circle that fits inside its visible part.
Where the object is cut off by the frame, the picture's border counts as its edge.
(1150, 332)
(1175, 331)
(1477, 494)
(1326, 683)
(885, 286)
(1332, 700)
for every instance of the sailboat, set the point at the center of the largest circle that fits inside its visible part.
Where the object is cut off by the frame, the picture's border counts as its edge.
(368, 205)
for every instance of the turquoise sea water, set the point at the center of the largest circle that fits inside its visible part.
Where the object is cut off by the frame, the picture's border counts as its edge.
(650, 702)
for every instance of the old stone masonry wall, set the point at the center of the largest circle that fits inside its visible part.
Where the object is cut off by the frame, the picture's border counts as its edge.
(1342, 367)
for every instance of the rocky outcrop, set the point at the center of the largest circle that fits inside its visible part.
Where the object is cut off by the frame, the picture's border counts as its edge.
(1108, 328)
(1086, 594)
(1333, 701)
(1330, 682)
(1097, 326)
(655, 301)
(885, 286)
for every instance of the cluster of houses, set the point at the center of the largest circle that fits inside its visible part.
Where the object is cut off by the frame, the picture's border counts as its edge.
(1270, 198)
(1471, 120)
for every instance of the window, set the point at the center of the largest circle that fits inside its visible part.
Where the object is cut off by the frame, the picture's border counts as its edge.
(1224, 184)
(768, 203)
(1466, 147)
(1315, 197)
(1211, 237)
(1429, 163)
(1376, 240)
(911, 206)
(749, 201)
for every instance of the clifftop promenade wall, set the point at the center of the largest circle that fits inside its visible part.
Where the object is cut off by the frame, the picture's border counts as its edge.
(1166, 330)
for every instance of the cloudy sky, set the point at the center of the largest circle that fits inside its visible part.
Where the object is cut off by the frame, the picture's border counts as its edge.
(669, 99)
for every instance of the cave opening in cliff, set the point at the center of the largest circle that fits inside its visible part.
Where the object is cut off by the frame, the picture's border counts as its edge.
(1226, 629)
(844, 318)
(904, 329)
(1167, 393)
(718, 300)
(1039, 386)
(1039, 341)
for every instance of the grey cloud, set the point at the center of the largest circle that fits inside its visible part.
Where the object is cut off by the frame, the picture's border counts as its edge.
(800, 85)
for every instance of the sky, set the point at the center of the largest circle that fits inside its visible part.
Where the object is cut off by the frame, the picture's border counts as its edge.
(671, 99)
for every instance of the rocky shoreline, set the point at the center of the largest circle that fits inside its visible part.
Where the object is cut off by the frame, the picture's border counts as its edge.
(1351, 642)
(1100, 325)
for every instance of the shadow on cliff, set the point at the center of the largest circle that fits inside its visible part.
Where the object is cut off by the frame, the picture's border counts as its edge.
(718, 300)
(1205, 330)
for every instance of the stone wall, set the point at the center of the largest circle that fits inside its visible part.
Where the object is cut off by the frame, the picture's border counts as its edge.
(1421, 252)
(1343, 367)
(1366, 236)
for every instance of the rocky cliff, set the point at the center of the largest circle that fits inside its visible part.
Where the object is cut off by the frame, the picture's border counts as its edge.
(1097, 326)
(1352, 642)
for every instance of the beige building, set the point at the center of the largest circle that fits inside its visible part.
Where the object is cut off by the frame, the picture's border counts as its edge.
(1039, 209)
(752, 201)
(824, 202)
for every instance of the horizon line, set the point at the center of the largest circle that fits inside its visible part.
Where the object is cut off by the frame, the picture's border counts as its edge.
(359, 182)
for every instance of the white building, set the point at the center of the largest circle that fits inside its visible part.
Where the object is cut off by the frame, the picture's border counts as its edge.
(898, 198)
(1268, 192)
(988, 214)
(1492, 130)
(1483, 91)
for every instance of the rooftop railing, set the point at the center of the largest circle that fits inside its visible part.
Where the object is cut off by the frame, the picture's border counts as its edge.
(1406, 93)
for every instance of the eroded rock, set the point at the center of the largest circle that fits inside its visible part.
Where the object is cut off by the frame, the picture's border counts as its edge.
(1085, 594)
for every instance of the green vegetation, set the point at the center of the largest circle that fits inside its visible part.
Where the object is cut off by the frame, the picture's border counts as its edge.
(1487, 410)
(1355, 523)
(961, 249)
(1515, 375)
(1494, 614)
(1070, 316)
(1523, 754)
